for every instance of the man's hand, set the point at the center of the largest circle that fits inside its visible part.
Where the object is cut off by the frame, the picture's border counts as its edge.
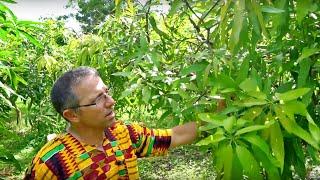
(183, 134)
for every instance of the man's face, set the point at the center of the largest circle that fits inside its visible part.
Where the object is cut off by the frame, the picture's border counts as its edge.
(92, 90)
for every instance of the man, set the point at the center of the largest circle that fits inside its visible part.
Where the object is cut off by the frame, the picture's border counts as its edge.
(95, 145)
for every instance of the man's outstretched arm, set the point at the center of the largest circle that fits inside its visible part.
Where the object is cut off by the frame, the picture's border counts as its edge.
(183, 134)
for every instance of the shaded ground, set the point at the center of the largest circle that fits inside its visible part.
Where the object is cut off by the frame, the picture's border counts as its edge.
(181, 163)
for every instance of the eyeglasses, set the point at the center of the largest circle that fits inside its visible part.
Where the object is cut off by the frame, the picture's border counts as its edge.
(99, 102)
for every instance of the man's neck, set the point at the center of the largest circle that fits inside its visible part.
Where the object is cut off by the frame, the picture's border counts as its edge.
(92, 136)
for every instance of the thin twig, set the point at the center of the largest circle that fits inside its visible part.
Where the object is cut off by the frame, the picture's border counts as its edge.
(215, 4)
(194, 25)
(147, 21)
(198, 99)
(188, 5)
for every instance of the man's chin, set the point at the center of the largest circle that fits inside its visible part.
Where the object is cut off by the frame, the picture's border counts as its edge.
(110, 122)
(110, 116)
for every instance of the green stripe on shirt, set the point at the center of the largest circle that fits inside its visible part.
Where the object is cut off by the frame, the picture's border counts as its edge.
(52, 152)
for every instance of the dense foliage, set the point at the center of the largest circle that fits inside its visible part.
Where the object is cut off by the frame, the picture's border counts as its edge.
(246, 71)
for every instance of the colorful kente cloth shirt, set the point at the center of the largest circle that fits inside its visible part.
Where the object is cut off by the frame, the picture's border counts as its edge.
(67, 158)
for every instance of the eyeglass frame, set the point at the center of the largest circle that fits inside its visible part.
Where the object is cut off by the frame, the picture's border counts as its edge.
(105, 94)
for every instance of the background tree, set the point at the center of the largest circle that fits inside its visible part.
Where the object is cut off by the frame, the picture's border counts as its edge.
(91, 13)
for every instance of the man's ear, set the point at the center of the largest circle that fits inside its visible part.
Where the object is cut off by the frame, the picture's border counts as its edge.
(71, 115)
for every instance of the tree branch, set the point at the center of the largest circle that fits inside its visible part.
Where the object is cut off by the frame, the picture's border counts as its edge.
(147, 21)
(188, 5)
(215, 4)
(198, 99)
(207, 41)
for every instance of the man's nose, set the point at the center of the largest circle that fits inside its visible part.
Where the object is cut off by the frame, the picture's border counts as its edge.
(109, 102)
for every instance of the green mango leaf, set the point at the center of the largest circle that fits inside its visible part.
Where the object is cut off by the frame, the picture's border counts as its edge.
(257, 9)
(165, 114)
(208, 23)
(33, 40)
(307, 52)
(6, 101)
(224, 21)
(225, 158)
(249, 164)
(314, 154)
(7, 89)
(299, 161)
(208, 126)
(118, 7)
(240, 123)
(7, 10)
(280, 22)
(228, 90)
(228, 123)
(175, 106)
(6, 53)
(183, 94)
(292, 127)
(156, 29)
(277, 144)
(315, 131)
(252, 113)
(198, 67)
(257, 141)
(258, 95)
(28, 23)
(249, 85)
(267, 164)
(248, 102)
(225, 81)
(294, 107)
(20, 79)
(250, 129)
(304, 7)
(229, 109)
(123, 74)
(303, 72)
(243, 71)
(292, 94)
(237, 171)
(307, 98)
(284, 87)
(237, 24)
(128, 91)
(254, 21)
(212, 118)
(267, 86)
(3, 35)
(175, 6)
(7, 157)
(14, 79)
(205, 75)
(270, 9)
(146, 94)
(191, 86)
(156, 58)
(212, 139)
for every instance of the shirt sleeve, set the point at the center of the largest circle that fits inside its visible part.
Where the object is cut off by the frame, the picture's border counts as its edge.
(149, 142)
